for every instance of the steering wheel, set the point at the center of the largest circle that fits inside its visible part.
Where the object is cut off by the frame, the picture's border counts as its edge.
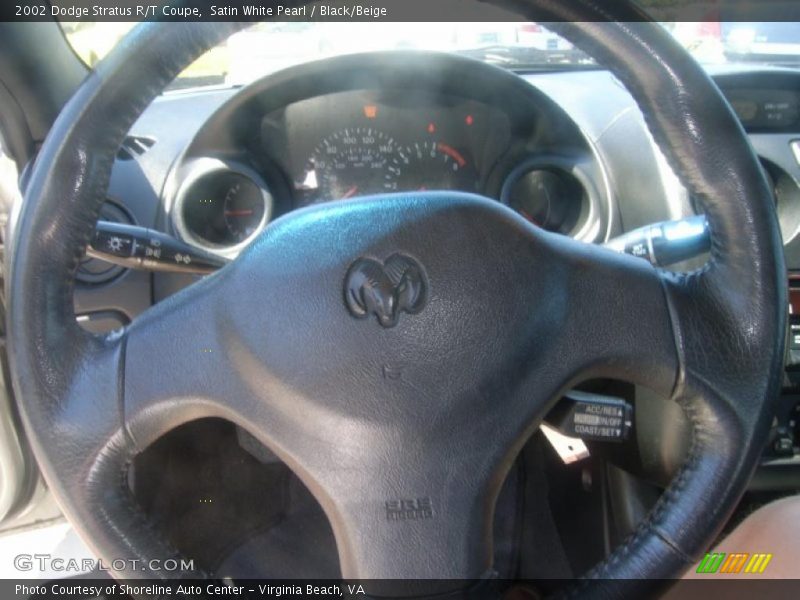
(396, 351)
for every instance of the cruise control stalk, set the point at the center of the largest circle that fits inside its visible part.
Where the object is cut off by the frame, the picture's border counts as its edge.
(665, 243)
(136, 247)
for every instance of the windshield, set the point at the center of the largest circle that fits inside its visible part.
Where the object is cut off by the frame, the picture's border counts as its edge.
(267, 47)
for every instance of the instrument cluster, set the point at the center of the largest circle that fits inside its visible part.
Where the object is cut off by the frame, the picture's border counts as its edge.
(358, 143)
(342, 144)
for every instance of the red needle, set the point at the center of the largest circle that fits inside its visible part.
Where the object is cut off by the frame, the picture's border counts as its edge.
(350, 192)
(528, 216)
(244, 212)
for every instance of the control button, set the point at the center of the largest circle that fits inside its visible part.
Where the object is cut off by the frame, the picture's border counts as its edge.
(116, 244)
(794, 340)
(140, 248)
(783, 446)
(638, 249)
(93, 270)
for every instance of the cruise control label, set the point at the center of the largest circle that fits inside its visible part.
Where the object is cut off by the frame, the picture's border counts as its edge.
(601, 421)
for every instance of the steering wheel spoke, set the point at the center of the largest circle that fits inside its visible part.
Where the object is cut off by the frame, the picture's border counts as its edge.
(169, 364)
(399, 508)
(184, 361)
(621, 323)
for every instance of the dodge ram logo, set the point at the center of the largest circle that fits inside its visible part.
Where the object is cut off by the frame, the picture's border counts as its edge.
(385, 290)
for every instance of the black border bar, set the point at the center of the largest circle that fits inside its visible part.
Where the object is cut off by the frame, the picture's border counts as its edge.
(79, 588)
(369, 10)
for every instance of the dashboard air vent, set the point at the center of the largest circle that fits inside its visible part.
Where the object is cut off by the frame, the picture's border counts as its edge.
(134, 146)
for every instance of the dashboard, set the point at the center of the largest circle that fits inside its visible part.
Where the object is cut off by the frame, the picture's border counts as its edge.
(324, 135)
(767, 103)
(569, 151)
(766, 109)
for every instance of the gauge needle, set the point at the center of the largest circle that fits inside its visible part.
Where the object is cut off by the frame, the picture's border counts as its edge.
(528, 216)
(244, 212)
(349, 193)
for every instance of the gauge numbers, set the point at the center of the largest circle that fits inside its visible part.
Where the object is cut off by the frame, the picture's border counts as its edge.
(351, 162)
(430, 165)
(359, 161)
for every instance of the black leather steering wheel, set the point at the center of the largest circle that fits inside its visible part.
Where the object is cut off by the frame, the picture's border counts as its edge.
(494, 320)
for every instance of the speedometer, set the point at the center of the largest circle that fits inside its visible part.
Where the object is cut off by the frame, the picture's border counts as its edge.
(351, 162)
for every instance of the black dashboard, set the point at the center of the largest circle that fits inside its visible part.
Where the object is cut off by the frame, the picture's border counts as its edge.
(568, 150)
(765, 102)
(762, 109)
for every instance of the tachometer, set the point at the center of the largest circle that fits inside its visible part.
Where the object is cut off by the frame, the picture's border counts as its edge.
(549, 197)
(431, 165)
(349, 163)
(221, 206)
